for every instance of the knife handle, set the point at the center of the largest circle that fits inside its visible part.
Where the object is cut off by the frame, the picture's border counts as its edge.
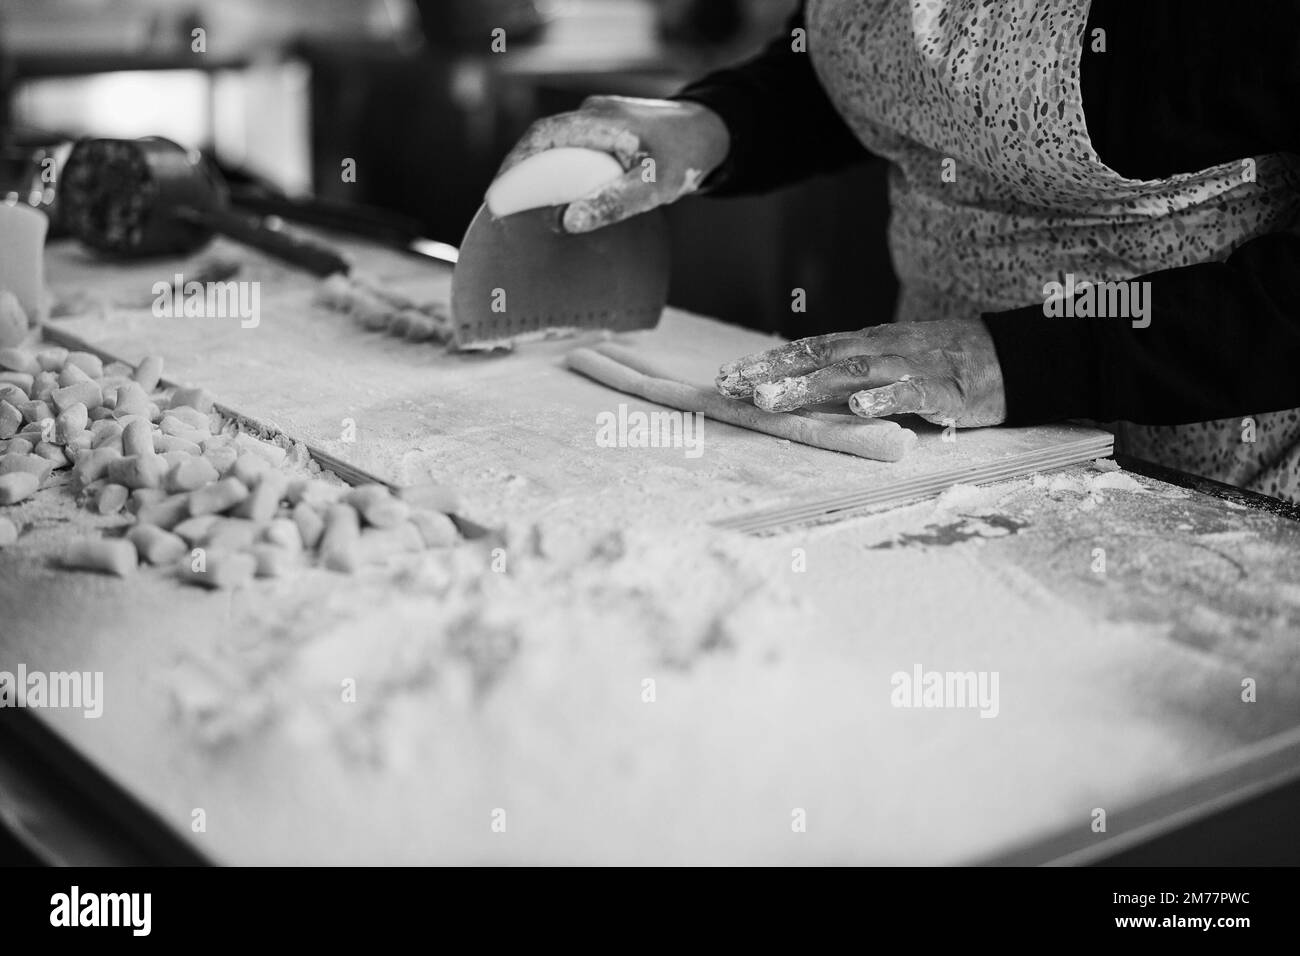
(308, 254)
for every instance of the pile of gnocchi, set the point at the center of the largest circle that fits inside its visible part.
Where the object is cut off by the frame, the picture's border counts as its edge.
(219, 505)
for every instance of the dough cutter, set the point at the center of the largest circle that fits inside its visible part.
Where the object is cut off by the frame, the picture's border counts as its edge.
(522, 276)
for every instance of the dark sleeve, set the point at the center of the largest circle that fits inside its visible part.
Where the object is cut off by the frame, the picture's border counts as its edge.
(783, 125)
(1224, 341)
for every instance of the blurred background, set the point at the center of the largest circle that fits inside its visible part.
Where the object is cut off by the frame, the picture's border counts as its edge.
(281, 92)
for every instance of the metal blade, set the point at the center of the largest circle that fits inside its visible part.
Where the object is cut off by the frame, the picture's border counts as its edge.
(522, 276)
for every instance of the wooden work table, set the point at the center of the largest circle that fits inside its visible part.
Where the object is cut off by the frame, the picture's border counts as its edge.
(521, 686)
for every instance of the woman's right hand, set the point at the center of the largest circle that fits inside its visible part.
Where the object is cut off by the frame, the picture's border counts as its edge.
(666, 148)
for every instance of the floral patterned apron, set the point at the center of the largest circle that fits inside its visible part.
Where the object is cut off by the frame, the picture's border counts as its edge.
(996, 189)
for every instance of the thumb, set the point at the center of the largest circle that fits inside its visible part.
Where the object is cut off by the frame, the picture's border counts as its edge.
(625, 197)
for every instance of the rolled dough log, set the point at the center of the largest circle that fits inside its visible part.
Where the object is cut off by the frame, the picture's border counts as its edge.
(634, 360)
(875, 439)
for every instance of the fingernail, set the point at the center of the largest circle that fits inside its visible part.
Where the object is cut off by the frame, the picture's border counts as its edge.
(869, 405)
(732, 385)
(781, 396)
(768, 396)
(579, 217)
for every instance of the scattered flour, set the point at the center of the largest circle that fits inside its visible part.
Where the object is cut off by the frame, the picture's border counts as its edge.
(570, 595)
(1114, 481)
(1087, 485)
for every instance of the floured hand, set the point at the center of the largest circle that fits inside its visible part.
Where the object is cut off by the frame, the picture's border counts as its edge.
(666, 147)
(947, 372)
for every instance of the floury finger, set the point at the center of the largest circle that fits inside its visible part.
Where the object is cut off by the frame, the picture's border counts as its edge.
(739, 378)
(833, 384)
(932, 400)
(629, 195)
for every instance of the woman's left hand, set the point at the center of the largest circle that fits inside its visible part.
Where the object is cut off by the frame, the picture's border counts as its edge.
(946, 371)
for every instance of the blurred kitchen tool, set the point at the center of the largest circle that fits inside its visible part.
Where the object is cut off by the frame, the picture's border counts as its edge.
(22, 256)
(378, 225)
(521, 276)
(134, 198)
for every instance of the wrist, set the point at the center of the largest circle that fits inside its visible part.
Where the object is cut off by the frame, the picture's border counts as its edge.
(715, 136)
(710, 140)
(1050, 368)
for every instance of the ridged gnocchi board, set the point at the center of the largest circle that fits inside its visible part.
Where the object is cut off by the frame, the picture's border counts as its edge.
(853, 504)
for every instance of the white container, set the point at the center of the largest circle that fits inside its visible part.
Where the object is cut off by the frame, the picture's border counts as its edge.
(22, 256)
